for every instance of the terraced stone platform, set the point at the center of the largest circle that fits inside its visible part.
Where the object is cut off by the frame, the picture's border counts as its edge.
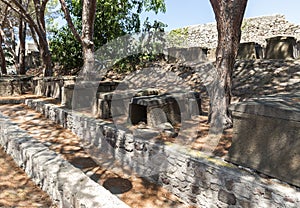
(197, 179)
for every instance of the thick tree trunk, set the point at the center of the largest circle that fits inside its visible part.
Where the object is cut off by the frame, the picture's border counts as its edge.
(40, 7)
(2, 57)
(229, 16)
(88, 19)
(22, 46)
(2, 41)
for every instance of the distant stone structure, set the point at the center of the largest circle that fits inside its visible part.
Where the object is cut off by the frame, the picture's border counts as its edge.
(32, 56)
(256, 29)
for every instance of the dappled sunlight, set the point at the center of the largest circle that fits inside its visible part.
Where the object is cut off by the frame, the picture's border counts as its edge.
(132, 189)
(16, 188)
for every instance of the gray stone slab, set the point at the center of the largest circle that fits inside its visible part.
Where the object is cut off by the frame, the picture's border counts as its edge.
(266, 136)
(195, 54)
(283, 106)
(249, 50)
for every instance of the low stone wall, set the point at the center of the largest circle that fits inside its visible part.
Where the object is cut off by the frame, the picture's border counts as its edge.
(86, 91)
(14, 85)
(194, 177)
(51, 86)
(66, 185)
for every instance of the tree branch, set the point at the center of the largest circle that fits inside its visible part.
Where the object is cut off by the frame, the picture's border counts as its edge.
(69, 20)
(19, 9)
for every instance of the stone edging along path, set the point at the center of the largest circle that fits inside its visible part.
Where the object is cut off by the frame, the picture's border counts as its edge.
(204, 182)
(65, 184)
(198, 180)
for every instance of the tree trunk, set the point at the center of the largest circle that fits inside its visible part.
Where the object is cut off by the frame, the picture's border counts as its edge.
(2, 42)
(22, 47)
(45, 57)
(86, 38)
(229, 16)
(38, 26)
(88, 19)
(2, 57)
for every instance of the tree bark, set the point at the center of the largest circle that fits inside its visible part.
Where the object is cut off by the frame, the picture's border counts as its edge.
(13, 47)
(2, 57)
(86, 38)
(22, 47)
(229, 16)
(88, 19)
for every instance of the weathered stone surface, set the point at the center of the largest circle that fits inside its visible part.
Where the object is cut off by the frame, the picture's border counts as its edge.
(255, 29)
(267, 136)
(180, 170)
(281, 47)
(15, 85)
(51, 86)
(226, 197)
(173, 107)
(65, 184)
(195, 54)
(249, 50)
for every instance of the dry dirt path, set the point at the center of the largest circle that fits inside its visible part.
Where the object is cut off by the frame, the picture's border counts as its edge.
(16, 188)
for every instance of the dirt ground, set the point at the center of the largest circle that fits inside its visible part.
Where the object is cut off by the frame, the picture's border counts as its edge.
(17, 189)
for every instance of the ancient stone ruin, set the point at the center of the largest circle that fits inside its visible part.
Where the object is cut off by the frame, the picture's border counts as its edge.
(265, 134)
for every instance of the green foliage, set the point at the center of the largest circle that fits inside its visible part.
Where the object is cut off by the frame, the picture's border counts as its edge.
(65, 49)
(114, 18)
(178, 37)
(244, 25)
(151, 40)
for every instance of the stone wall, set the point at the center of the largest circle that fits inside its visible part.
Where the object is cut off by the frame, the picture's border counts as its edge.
(255, 29)
(194, 177)
(66, 185)
(15, 85)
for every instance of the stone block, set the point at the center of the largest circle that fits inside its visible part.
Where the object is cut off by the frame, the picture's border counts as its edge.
(104, 108)
(249, 50)
(167, 107)
(67, 95)
(281, 47)
(266, 136)
(193, 54)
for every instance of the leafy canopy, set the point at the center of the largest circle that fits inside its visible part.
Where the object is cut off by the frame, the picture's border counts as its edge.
(114, 18)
